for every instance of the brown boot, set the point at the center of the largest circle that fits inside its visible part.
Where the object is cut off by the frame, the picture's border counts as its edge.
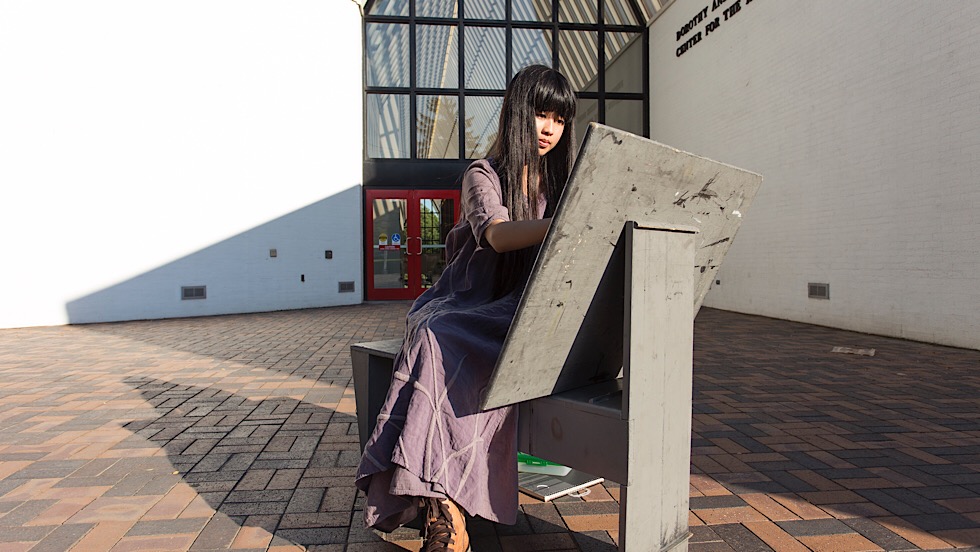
(445, 527)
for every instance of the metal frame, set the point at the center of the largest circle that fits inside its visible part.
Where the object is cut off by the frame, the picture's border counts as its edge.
(635, 430)
(636, 240)
(412, 231)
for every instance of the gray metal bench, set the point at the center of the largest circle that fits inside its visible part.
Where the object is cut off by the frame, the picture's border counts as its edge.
(606, 322)
(372, 364)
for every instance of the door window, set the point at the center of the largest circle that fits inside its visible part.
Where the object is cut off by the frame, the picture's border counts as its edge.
(389, 255)
(406, 249)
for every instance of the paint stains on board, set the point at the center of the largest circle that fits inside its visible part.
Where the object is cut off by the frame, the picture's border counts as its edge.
(707, 266)
(705, 192)
(682, 200)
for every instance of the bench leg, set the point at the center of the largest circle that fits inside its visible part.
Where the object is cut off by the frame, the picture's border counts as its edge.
(372, 377)
(657, 390)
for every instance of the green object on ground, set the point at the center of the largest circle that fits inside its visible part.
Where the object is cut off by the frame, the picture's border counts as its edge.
(532, 464)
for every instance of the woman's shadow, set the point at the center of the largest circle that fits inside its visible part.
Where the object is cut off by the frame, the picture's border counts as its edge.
(280, 464)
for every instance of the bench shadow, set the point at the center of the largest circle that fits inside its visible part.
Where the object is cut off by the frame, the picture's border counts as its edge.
(541, 519)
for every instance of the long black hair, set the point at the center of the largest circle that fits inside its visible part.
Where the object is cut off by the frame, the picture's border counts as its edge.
(534, 89)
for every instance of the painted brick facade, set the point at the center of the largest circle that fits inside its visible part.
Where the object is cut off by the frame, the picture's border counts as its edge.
(149, 147)
(863, 119)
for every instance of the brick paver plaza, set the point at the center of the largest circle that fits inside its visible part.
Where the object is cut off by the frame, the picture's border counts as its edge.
(238, 432)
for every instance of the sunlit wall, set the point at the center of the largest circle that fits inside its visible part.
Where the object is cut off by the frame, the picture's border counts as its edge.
(863, 119)
(136, 136)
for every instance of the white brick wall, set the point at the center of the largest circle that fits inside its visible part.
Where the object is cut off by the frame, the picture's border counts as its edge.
(864, 118)
(145, 146)
(241, 276)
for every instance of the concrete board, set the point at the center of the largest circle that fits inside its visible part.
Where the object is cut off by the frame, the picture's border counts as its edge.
(568, 331)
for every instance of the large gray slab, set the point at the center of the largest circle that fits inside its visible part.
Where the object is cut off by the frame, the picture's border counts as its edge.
(568, 331)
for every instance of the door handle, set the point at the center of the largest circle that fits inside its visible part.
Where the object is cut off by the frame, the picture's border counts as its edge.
(408, 246)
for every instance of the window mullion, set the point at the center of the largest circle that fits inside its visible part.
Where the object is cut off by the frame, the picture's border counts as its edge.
(601, 62)
(637, 12)
(554, 35)
(508, 41)
(413, 82)
(461, 83)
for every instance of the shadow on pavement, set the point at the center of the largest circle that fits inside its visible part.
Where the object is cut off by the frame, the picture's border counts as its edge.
(279, 464)
(287, 467)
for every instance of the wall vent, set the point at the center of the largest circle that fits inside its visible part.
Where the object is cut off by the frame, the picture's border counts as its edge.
(818, 291)
(346, 287)
(193, 292)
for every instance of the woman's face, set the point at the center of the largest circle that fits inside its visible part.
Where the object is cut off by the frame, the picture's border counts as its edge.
(550, 127)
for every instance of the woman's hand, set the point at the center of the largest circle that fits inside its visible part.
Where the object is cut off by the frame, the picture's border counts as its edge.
(504, 236)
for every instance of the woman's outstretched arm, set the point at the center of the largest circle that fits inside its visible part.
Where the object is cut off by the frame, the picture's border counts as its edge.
(504, 236)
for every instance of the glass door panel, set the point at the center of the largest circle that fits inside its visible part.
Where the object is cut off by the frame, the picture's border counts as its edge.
(387, 248)
(406, 240)
(436, 219)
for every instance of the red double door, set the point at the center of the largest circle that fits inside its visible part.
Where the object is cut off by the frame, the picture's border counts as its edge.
(406, 240)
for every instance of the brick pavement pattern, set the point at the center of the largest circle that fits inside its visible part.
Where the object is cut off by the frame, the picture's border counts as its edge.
(238, 433)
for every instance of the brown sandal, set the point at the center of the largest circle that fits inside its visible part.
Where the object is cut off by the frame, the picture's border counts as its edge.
(445, 527)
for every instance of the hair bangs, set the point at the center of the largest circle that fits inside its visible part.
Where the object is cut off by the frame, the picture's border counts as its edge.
(554, 93)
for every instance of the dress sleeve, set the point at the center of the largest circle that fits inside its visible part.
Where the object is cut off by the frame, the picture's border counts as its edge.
(481, 199)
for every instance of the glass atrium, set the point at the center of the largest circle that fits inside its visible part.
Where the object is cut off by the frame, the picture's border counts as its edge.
(434, 78)
(435, 73)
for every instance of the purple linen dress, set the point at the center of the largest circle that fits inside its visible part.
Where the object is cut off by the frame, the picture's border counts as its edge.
(431, 438)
